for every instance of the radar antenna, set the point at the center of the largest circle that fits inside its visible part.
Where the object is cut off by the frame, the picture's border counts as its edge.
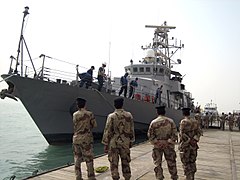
(161, 44)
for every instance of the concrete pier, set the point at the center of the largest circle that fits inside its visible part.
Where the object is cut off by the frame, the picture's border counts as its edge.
(218, 158)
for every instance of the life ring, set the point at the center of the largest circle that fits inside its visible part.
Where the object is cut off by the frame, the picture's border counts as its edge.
(146, 98)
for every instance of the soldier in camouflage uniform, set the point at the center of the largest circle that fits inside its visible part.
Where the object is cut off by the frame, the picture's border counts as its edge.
(230, 121)
(189, 134)
(83, 122)
(198, 117)
(206, 120)
(118, 138)
(222, 120)
(162, 133)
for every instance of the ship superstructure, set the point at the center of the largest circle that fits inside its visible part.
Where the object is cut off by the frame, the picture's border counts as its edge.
(155, 70)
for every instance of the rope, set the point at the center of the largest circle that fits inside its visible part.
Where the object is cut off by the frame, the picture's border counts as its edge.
(114, 108)
(57, 71)
(33, 59)
(104, 99)
(64, 61)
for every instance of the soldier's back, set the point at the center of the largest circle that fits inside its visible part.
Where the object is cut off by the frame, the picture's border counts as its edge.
(82, 125)
(122, 128)
(161, 127)
(189, 126)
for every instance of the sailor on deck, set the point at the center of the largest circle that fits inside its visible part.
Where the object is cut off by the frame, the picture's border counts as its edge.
(101, 76)
(133, 85)
(86, 78)
(158, 95)
(124, 85)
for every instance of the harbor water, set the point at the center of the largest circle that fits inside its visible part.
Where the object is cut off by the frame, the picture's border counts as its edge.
(23, 148)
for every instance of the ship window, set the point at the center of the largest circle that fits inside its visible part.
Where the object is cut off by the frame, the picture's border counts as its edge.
(147, 69)
(141, 69)
(182, 87)
(161, 70)
(135, 69)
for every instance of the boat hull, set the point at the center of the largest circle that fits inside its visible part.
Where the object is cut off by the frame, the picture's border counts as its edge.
(51, 106)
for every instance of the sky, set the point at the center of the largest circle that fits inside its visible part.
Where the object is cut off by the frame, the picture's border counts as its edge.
(91, 32)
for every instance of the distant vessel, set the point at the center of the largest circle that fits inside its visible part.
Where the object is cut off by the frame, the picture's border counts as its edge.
(49, 99)
(211, 109)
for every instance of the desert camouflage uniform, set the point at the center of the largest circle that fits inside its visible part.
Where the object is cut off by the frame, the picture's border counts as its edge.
(162, 133)
(190, 133)
(230, 122)
(83, 122)
(206, 121)
(198, 117)
(222, 120)
(119, 136)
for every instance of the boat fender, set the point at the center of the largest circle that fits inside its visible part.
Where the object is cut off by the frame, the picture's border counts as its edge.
(153, 99)
(137, 97)
(146, 98)
(101, 169)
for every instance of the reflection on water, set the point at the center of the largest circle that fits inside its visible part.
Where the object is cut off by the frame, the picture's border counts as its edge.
(52, 157)
(55, 156)
(49, 158)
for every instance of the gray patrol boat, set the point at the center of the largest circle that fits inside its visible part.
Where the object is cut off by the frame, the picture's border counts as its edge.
(49, 94)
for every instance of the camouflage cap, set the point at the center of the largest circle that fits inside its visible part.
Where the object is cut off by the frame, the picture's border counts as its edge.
(160, 107)
(186, 111)
(160, 110)
(118, 101)
(81, 102)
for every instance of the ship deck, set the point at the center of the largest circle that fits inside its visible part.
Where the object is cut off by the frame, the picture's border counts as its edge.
(218, 158)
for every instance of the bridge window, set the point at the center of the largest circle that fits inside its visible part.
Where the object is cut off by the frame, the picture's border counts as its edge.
(148, 69)
(135, 69)
(141, 69)
(161, 70)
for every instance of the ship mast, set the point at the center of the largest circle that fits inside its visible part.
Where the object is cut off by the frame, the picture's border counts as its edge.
(21, 43)
(161, 45)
